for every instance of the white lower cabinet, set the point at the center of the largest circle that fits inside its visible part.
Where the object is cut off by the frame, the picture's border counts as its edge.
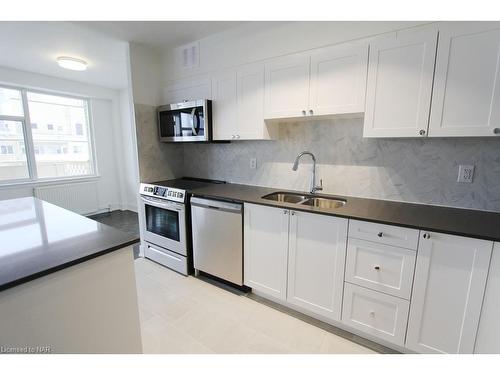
(296, 256)
(316, 258)
(427, 301)
(266, 249)
(375, 313)
(448, 289)
(488, 335)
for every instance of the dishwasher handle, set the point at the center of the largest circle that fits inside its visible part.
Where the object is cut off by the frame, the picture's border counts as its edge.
(216, 205)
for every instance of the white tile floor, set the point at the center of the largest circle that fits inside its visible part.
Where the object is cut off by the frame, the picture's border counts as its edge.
(187, 315)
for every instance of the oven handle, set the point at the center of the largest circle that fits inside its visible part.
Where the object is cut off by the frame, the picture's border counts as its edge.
(166, 205)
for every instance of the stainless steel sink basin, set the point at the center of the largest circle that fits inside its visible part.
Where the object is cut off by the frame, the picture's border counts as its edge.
(286, 197)
(306, 200)
(325, 202)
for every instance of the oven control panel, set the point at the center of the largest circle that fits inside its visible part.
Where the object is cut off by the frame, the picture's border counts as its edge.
(163, 192)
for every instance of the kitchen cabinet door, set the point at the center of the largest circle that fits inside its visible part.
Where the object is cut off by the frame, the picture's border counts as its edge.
(187, 89)
(287, 86)
(338, 79)
(466, 95)
(488, 335)
(250, 82)
(317, 250)
(266, 249)
(399, 86)
(224, 106)
(448, 289)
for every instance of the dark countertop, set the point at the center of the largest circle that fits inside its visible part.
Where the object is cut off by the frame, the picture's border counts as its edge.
(38, 238)
(464, 222)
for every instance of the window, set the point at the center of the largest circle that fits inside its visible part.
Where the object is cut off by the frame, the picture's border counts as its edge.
(57, 151)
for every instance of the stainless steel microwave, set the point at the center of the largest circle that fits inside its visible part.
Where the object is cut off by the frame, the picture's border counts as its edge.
(189, 121)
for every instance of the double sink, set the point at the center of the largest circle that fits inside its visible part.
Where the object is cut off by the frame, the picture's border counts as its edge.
(306, 200)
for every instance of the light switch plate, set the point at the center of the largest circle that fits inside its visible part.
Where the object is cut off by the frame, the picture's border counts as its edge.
(465, 173)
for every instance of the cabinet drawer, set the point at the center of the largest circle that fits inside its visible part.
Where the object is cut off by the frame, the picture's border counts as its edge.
(380, 267)
(385, 234)
(375, 313)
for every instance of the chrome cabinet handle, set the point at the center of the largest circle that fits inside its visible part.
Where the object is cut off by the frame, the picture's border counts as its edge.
(237, 136)
(311, 112)
(285, 212)
(377, 268)
(421, 132)
(233, 136)
(380, 234)
(303, 112)
(293, 213)
(496, 131)
(372, 313)
(427, 236)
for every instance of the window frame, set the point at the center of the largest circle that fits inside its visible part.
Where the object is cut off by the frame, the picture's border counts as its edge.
(30, 146)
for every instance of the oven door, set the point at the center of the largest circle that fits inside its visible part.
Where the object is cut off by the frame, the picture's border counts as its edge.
(184, 122)
(165, 224)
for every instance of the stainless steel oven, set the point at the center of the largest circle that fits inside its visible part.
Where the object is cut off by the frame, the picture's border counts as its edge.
(189, 121)
(164, 226)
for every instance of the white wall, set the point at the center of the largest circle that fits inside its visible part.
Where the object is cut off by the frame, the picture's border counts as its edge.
(145, 74)
(112, 130)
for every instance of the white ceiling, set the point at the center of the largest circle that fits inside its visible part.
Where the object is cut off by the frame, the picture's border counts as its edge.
(160, 34)
(35, 46)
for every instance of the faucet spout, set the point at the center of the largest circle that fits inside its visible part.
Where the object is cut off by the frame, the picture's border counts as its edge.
(313, 186)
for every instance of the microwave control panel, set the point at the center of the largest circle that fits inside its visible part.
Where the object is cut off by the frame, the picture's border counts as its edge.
(163, 192)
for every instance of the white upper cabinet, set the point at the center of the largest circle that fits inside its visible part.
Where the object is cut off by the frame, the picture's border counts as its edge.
(317, 250)
(266, 249)
(399, 87)
(287, 86)
(187, 89)
(466, 96)
(250, 92)
(238, 104)
(338, 79)
(224, 106)
(325, 81)
(448, 289)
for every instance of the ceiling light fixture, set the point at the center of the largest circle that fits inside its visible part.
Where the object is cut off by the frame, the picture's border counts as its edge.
(71, 63)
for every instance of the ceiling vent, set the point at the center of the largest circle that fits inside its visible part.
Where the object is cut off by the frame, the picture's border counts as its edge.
(189, 55)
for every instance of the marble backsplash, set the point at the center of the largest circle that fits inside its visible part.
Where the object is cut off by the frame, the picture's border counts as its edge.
(412, 170)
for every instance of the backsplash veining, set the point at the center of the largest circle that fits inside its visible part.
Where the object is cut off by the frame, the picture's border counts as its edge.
(413, 170)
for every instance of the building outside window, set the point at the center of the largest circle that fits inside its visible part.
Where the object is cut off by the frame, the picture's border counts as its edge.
(50, 154)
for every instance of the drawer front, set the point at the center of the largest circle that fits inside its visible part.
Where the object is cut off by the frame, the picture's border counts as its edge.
(167, 258)
(380, 267)
(375, 313)
(384, 234)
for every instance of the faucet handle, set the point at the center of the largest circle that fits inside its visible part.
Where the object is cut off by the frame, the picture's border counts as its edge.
(320, 186)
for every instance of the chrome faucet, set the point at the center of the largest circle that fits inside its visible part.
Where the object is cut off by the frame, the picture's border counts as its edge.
(313, 187)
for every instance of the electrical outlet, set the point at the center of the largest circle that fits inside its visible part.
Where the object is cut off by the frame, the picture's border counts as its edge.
(465, 173)
(253, 163)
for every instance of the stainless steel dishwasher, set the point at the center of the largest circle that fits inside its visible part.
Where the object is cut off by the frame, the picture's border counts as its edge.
(218, 238)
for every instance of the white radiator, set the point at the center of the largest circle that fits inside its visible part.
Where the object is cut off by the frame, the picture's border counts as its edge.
(81, 197)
